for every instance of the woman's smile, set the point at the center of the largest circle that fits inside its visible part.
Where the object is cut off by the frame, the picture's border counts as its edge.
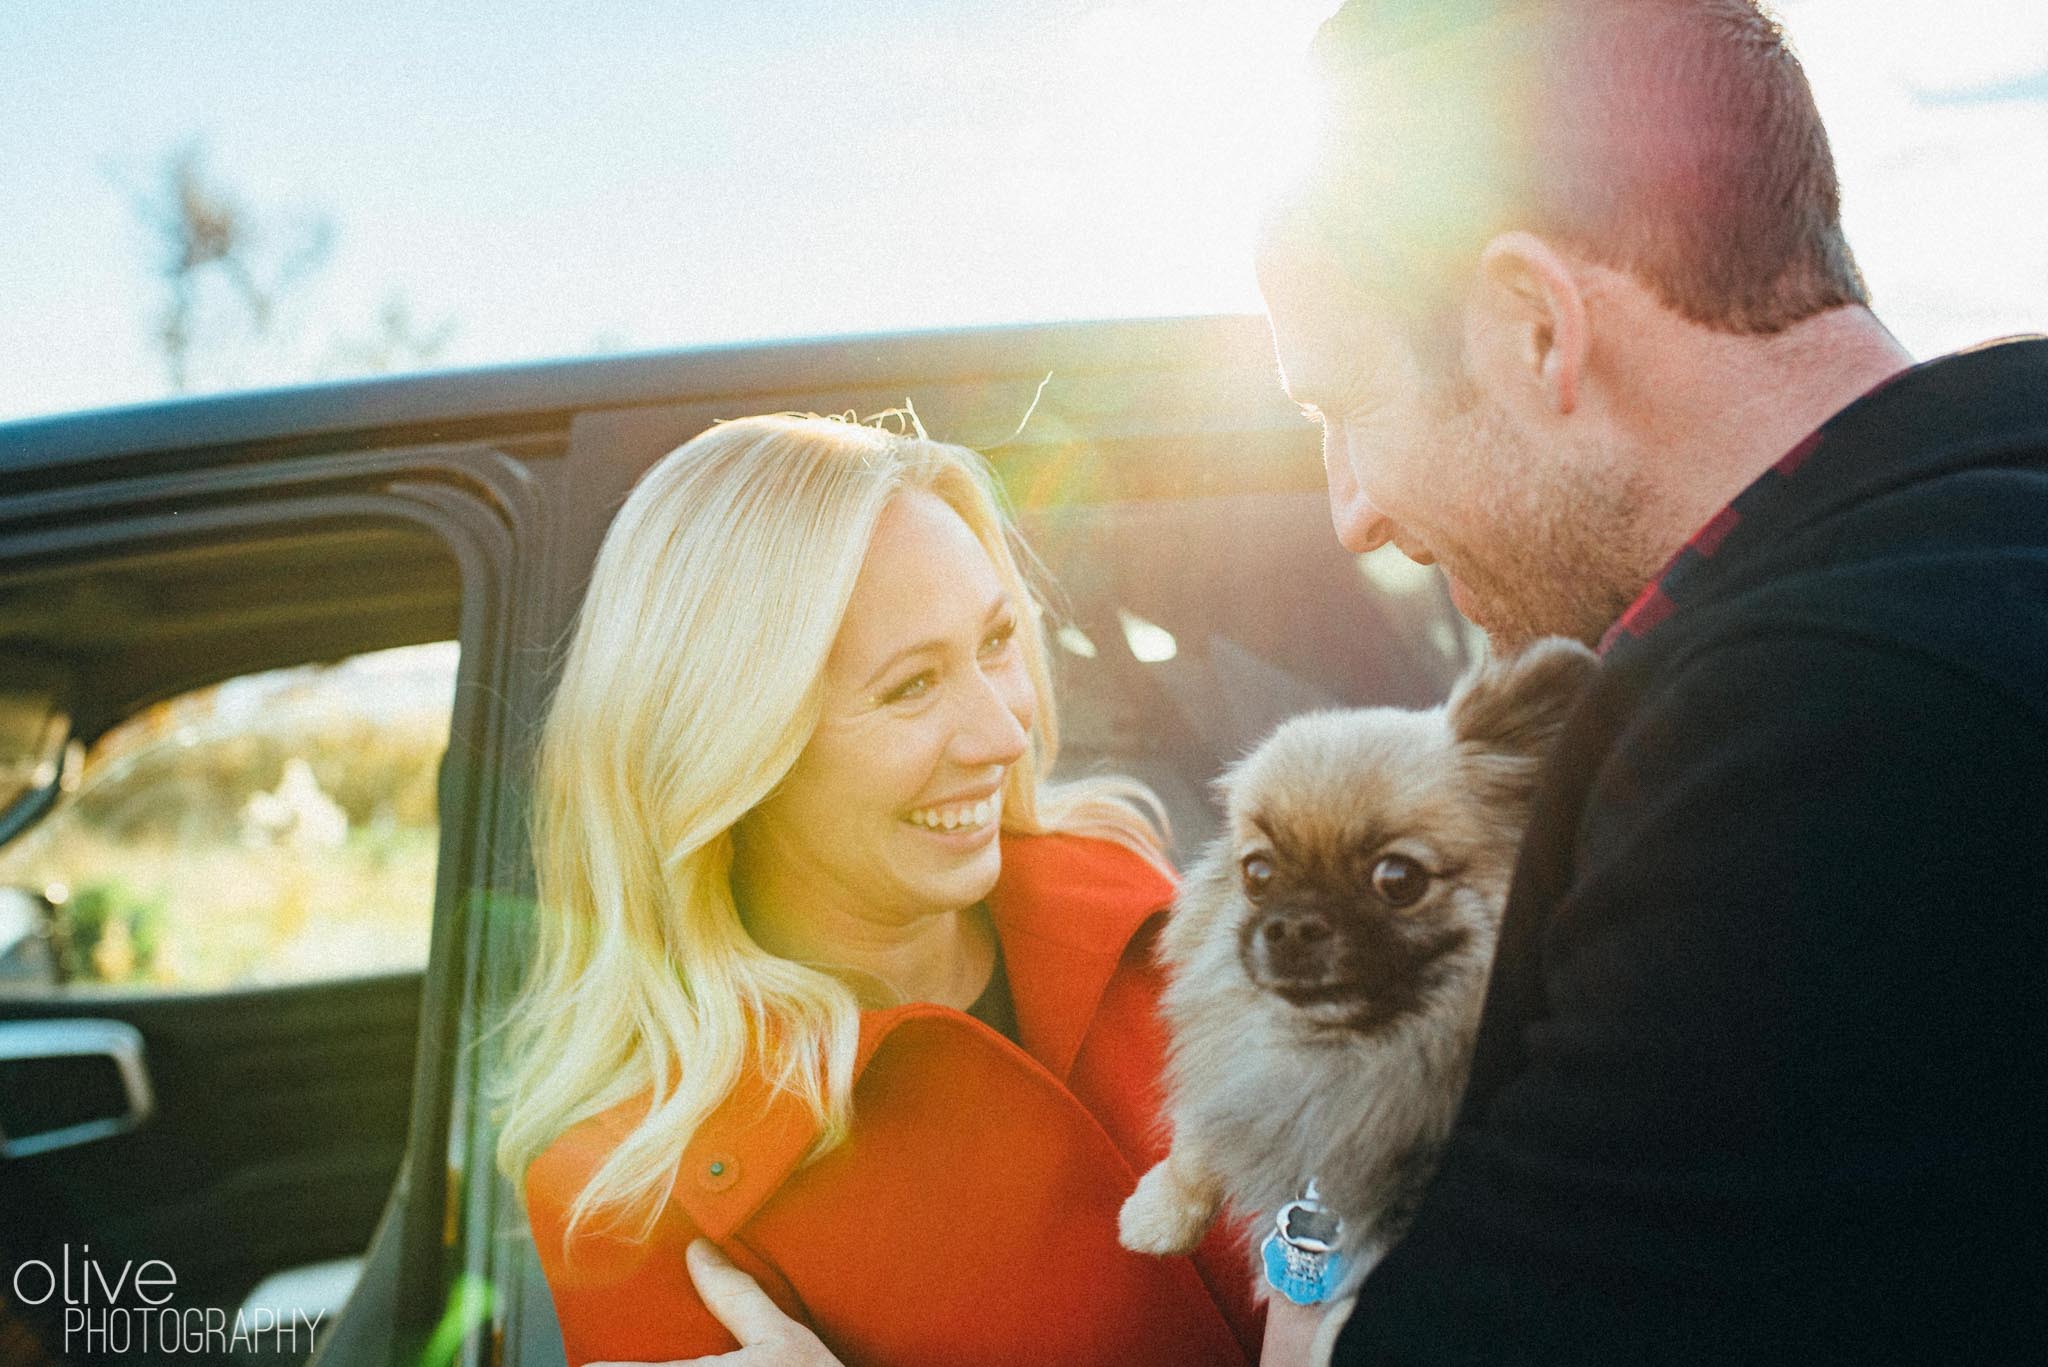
(970, 814)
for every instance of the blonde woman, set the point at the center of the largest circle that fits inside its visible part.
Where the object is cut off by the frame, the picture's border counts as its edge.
(830, 981)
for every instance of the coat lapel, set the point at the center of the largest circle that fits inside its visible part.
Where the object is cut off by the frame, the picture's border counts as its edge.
(1066, 909)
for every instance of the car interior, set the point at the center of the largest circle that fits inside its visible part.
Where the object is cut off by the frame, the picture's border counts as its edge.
(248, 1137)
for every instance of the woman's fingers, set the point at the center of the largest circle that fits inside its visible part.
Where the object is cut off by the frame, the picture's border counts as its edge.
(738, 1302)
(768, 1338)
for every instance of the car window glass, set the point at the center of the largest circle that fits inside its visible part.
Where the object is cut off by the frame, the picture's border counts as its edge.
(274, 828)
(1187, 628)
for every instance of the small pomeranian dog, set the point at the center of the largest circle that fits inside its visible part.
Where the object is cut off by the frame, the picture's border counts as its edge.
(1328, 955)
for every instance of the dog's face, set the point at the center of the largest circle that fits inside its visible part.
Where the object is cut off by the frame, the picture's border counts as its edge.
(1368, 853)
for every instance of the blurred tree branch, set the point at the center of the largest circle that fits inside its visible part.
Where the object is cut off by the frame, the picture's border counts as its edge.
(204, 235)
(398, 341)
(235, 285)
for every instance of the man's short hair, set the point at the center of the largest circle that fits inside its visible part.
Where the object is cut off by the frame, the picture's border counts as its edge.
(1674, 139)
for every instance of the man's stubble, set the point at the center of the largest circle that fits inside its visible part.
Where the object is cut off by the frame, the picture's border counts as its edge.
(1561, 544)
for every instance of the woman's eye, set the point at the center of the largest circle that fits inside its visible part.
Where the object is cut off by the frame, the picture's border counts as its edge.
(995, 641)
(915, 686)
(1399, 880)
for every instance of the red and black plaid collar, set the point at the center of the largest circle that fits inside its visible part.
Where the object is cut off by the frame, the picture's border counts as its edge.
(1753, 506)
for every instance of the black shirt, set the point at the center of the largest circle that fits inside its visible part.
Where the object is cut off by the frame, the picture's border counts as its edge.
(1760, 1071)
(994, 1007)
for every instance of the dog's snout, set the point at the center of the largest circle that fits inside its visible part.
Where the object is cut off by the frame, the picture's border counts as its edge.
(1288, 930)
(1289, 943)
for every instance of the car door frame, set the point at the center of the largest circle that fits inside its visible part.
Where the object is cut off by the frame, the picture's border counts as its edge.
(480, 499)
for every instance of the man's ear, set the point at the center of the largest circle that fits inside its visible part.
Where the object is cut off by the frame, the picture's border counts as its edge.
(1528, 317)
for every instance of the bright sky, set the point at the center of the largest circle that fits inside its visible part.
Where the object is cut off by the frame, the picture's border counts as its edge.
(558, 180)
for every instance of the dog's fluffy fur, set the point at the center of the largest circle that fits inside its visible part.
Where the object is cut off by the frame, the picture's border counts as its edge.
(1328, 955)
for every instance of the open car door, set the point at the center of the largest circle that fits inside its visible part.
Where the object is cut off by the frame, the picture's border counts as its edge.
(228, 933)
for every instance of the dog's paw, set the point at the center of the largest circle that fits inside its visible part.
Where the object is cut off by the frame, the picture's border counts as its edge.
(1162, 1216)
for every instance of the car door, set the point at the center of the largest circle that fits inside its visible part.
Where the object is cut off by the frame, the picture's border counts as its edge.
(226, 1078)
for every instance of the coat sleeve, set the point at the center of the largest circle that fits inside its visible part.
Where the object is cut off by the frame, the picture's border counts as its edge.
(1758, 1096)
(618, 1299)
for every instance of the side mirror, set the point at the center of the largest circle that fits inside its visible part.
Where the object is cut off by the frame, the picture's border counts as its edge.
(35, 730)
(26, 959)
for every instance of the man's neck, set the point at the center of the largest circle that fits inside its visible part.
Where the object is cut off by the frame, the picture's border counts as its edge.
(1747, 401)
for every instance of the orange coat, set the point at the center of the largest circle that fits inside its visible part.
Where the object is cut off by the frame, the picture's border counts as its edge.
(971, 1215)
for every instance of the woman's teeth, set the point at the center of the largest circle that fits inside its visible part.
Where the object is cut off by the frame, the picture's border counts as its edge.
(964, 817)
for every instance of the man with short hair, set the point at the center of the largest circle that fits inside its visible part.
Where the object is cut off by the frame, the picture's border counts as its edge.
(1759, 1069)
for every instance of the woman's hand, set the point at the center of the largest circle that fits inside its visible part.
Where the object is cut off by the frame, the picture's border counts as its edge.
(768, 1338)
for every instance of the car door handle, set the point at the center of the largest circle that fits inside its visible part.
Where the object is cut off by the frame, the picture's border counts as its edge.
(33, 1041)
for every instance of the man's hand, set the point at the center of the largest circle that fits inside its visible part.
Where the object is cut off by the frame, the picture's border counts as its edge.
(768, 1338)
(1302, 1335)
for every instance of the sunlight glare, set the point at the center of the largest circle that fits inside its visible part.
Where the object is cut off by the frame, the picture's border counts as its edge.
(1206, 105)
(1075, 641)
(1151, 643)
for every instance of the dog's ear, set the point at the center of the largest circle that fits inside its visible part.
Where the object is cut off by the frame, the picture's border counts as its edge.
(1515, 706)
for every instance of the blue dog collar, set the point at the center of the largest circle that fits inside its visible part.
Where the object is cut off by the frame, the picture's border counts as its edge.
(1300, 1256)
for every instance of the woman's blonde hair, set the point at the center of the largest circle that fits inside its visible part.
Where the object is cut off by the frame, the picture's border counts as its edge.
(692, 683)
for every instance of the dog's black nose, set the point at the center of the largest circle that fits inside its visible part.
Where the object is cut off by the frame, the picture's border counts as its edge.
(1287, 932)
(1291, 944)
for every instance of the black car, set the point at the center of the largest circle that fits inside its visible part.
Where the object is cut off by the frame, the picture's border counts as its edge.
(270, 671)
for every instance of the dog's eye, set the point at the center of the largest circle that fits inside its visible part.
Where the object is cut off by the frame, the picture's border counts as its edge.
(1399, 880)
(1257, 871)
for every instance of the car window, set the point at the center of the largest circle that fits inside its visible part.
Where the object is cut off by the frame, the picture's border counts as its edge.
(1187, 628)
(274, 828)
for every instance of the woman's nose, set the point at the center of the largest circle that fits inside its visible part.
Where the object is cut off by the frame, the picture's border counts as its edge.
(996, 727)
